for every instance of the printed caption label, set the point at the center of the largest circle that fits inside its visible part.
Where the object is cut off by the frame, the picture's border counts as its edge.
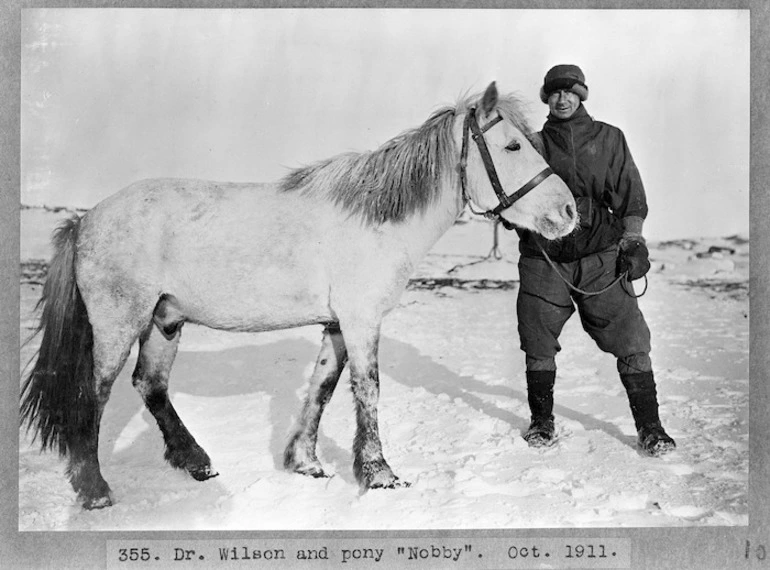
(482, 553)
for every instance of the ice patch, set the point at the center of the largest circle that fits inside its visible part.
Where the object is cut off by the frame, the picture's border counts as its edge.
(680, 469)
(544, 475)
(587, 492)
(592, 517)
(742, 476)
(732, 518)
(676, 398)
(479, 488)
(627, 502)
(586, 389)
(579, 444)
(687, 512)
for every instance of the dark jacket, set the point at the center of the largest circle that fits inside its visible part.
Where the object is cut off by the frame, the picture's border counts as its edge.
(594, 161)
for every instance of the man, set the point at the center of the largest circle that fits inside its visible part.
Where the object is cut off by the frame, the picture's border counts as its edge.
(593, 159)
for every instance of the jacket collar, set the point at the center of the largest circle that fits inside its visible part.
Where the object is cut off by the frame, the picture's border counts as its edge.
(580, 116)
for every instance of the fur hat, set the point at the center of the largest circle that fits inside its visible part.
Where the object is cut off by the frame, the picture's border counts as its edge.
(564, 77)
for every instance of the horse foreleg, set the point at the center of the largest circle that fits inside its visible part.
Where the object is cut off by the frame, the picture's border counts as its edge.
(369, 465)
(300, 454)
(156, 355)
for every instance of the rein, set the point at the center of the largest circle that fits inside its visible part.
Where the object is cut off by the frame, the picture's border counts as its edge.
(506, 200)
(623, 279)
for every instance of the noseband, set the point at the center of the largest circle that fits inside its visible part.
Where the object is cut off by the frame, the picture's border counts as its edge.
(471, 125)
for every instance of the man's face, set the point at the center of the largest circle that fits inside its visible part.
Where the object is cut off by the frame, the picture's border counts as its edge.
(563, 103)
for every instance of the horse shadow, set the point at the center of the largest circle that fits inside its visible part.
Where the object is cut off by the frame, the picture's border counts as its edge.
(277, 369)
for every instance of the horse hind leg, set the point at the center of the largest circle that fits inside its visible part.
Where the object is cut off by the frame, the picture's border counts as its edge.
(63, 397)
(300, 453)
(110, 352)
(157, 350)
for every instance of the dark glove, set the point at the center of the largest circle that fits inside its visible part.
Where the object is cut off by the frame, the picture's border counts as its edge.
(633, 257)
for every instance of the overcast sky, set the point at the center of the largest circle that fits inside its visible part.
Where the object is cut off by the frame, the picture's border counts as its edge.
(110, 96)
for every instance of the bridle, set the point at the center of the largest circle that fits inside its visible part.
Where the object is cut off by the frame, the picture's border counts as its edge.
(471, 125)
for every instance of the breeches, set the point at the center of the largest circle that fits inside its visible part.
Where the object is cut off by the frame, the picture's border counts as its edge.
(612, 319)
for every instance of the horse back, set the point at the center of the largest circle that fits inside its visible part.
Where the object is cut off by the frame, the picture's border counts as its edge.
(235, 256)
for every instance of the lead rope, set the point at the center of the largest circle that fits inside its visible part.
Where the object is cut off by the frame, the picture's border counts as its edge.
(494, 253)
(622, 279)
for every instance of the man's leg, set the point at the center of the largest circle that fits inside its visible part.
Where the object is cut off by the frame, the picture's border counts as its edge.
(541, 377)
(638, 379)
(543, 307)
(615, 322)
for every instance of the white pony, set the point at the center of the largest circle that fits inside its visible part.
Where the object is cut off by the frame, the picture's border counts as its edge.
(333, 244)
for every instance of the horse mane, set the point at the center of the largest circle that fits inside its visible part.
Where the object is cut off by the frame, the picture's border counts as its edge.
(404, 175)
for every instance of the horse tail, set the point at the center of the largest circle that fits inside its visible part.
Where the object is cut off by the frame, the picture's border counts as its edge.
(58, 398)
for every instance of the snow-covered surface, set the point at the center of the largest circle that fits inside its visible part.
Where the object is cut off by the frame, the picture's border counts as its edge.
(452, 411)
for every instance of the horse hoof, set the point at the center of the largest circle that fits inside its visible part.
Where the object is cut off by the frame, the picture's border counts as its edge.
(376, 475)
(97, 503)
(202, 473)
(386, 480)
(315, 471)
(395, 484)
(320, 475)
(98, 496)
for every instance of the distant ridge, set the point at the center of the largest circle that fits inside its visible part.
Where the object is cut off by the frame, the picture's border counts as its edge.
(55, 209)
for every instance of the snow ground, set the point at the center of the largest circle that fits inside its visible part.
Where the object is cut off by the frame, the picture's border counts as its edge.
(452, 412)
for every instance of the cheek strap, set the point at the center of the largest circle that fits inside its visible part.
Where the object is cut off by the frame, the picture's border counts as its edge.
(506, 201)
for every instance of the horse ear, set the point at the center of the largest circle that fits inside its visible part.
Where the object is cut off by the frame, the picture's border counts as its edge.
(489, 100)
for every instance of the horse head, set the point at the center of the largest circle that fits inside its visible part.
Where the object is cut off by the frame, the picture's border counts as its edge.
(503, 174)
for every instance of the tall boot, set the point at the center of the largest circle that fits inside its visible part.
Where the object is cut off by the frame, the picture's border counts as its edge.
(540, 397)
(652, 439)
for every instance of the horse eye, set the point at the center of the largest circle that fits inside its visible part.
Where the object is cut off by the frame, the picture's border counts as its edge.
(514, 146)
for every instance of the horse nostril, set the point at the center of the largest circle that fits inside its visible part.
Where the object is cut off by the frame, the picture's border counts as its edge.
(570, 211)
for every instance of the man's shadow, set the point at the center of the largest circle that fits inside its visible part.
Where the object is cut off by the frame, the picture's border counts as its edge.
(405, 364)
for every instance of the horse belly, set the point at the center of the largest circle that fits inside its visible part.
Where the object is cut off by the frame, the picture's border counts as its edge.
(238, 303)
(267, 278)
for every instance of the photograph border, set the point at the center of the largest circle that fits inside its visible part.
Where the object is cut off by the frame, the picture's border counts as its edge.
(664, 547)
